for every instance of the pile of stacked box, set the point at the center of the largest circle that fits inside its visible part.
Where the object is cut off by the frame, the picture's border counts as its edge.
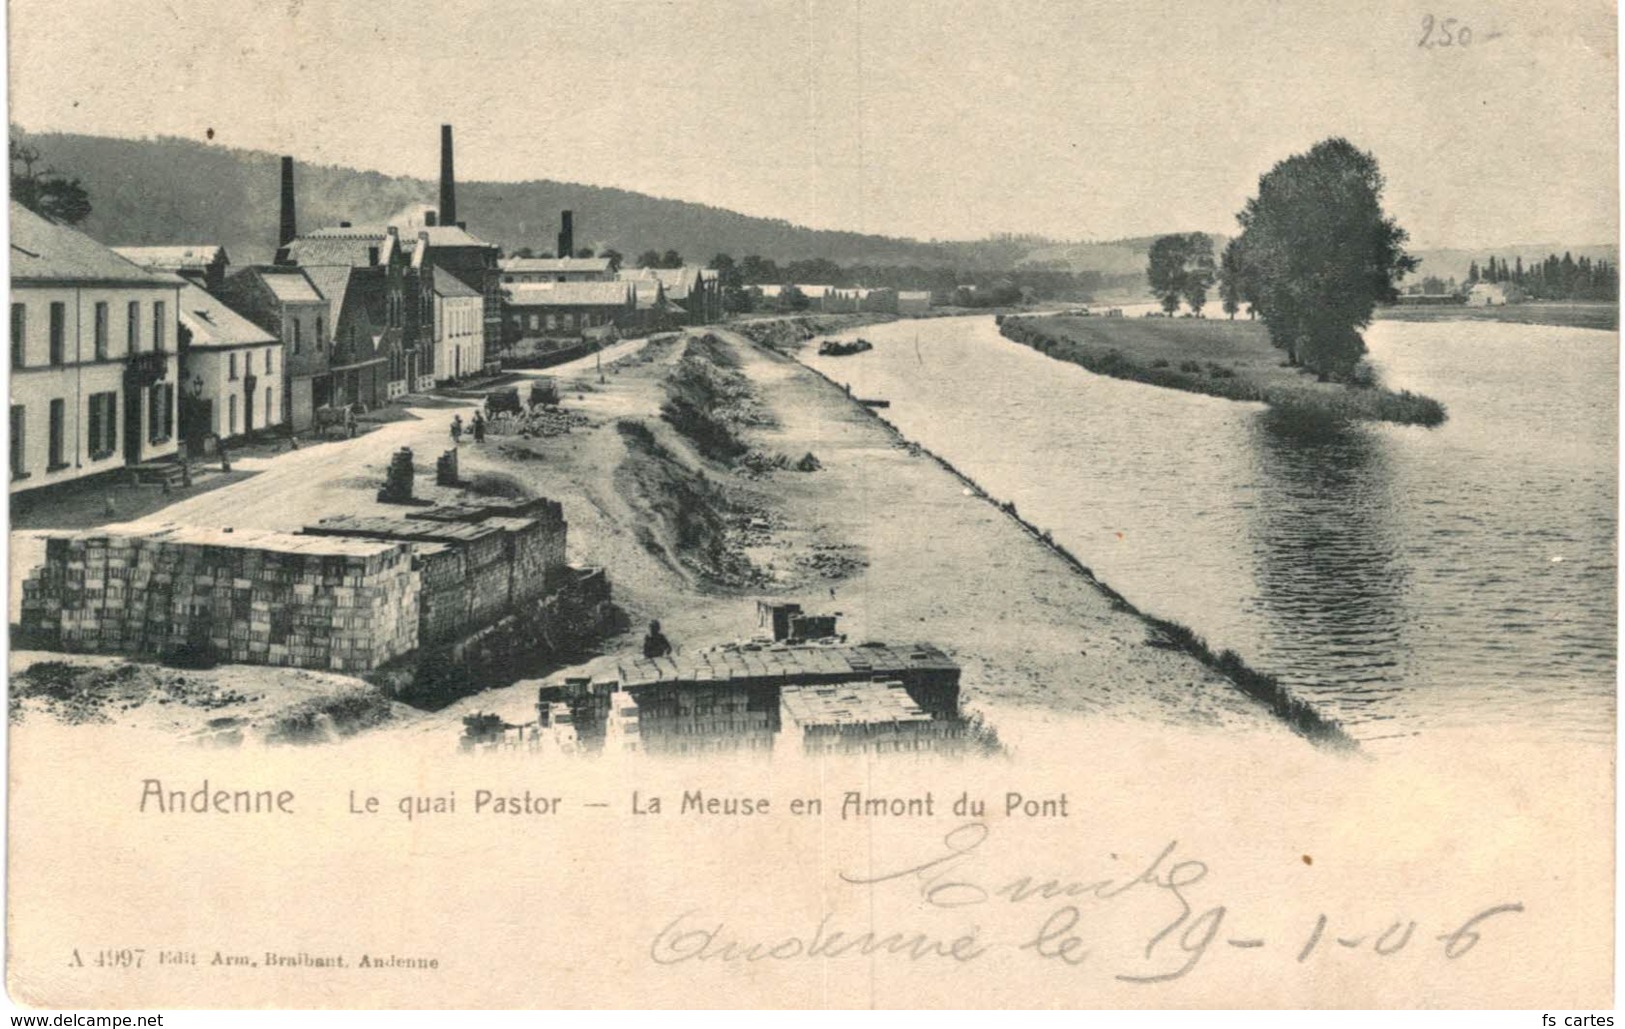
(251, 597)
(477, 562)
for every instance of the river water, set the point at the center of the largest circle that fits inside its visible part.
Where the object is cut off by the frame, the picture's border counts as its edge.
(1403, 579)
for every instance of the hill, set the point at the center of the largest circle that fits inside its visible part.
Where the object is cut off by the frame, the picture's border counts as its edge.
(171, 190)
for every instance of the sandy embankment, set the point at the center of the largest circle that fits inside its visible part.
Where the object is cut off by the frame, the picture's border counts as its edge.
(881, 534)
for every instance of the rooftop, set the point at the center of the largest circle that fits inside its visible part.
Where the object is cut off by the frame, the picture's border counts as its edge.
(174, 258)
(554, 265)
(448, 285)
(213, 324)
(567, 294)
(46, 250)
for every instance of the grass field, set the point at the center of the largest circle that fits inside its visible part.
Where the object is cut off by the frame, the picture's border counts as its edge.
(1218, 357)
(1576, 315)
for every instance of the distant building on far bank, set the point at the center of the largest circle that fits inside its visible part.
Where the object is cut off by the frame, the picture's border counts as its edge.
(1493, 294)
(913, 302)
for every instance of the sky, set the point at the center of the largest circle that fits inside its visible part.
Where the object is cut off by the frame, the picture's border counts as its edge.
(937, 119)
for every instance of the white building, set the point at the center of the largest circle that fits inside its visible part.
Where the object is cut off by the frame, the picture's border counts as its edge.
(93, 356)
(459, 327)
(231, 370)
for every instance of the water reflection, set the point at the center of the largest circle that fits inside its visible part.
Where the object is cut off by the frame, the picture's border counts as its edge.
(1326, 563)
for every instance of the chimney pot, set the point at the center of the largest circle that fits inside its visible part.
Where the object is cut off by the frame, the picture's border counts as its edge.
(430, 219)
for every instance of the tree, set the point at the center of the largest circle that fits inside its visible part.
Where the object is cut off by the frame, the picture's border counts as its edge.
(1181, 265)
(649, 259)
(584, 252)
(1231, 288)
(615, 259)
(525, 253)
(1198, 270)
(1317, 254)
(792, 299)
(46, 191)
(671, 259)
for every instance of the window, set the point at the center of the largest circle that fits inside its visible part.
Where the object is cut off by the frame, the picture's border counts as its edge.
(535, 322)
(231, 426)
(19, 336)
(19, 452)
(59, 329)
(268, 407)
(59, 419)
(101, 330)
(552, 321)
(372, 256)
(294, 341)
(160, 413)
(231, 367)
(270, 362)
(158, 333)
(321, 332)
(132, 326)
(102, 439)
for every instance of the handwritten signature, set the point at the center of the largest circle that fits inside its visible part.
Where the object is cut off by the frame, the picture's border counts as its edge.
(1179, 937)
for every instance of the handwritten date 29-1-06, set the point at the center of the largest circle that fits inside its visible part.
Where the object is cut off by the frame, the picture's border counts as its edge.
(1074, 922)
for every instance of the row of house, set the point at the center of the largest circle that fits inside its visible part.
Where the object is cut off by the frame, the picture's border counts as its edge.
(122, 354)
(564, 298)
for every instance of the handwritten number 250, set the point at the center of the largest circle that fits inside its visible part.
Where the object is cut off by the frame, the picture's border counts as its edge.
(1439, 33)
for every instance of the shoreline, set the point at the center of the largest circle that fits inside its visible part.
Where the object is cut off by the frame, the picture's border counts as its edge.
(1252, 373)
(1299, 715)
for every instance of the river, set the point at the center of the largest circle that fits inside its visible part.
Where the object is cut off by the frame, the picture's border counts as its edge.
(1403, 579)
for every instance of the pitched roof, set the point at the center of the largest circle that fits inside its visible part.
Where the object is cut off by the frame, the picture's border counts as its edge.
(333, 281)
(289, 285)
(451, 236)
(46, 250)
(679, 282)
(448, 285)
(554, 265)
(648, 294)
(344, 244)
(213, 324)
(567, 294)
(174, 258)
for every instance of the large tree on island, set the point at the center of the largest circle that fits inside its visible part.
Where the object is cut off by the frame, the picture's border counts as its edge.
(1317, 254)
(1181, 265)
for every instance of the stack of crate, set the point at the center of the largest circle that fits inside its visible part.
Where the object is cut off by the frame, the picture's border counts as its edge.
(253, 597)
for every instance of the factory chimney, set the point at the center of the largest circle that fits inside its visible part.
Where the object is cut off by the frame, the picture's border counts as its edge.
(567, 236)
(289, 228)
(448, 180)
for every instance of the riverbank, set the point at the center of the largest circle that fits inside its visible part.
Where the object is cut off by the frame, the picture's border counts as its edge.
(1216, 357)
(879, 531)
(872, 528)
(1564, 314)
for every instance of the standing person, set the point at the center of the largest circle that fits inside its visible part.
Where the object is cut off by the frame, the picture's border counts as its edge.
(655, 644)
(349, 422)
(456, 429)
(479, 427)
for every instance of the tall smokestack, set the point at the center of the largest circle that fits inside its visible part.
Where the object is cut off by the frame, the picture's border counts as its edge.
(448, 180)
(567, 236)
(289, 227)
